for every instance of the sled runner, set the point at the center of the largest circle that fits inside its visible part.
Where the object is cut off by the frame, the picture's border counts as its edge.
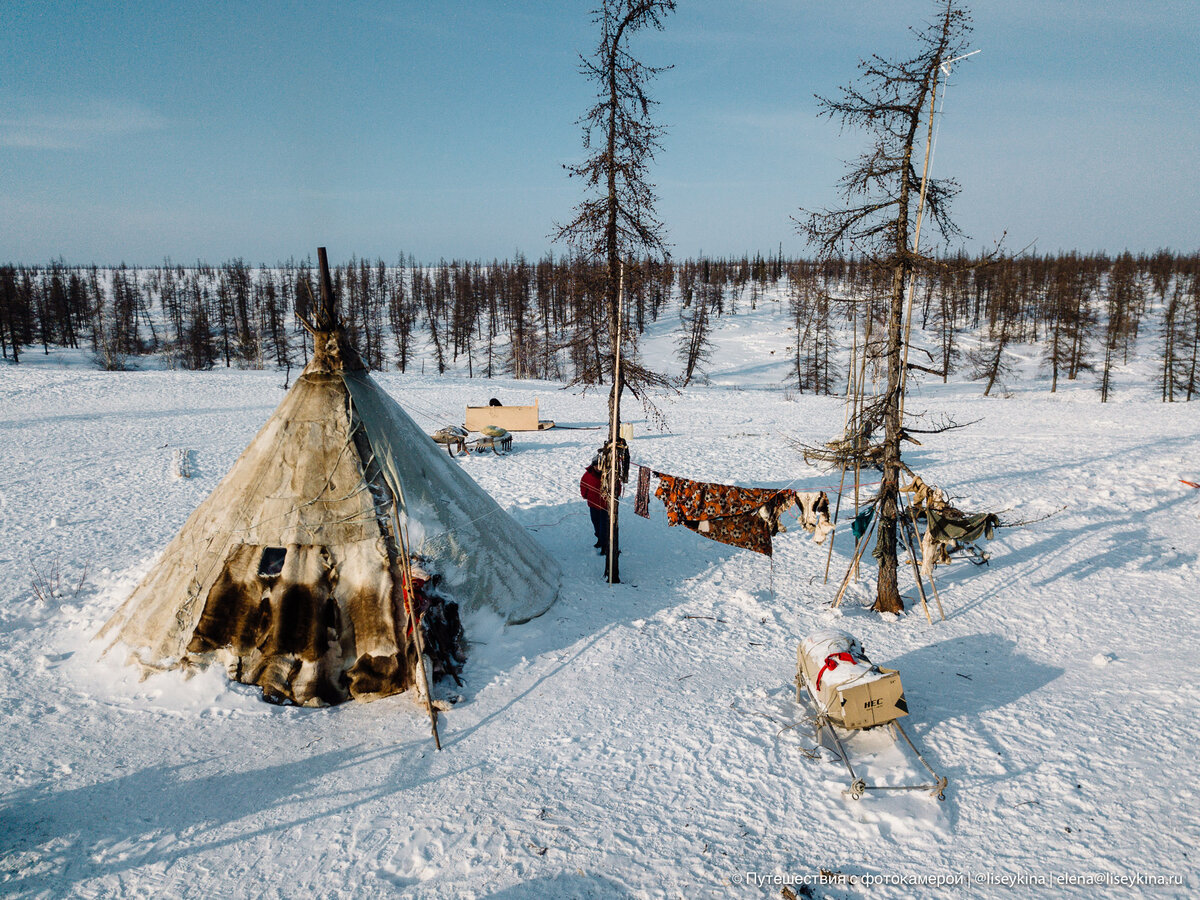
(850, 693)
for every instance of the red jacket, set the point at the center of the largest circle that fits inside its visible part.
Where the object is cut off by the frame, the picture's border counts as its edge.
(592, 491)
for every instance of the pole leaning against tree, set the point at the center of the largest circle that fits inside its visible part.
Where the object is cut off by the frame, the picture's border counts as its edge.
(614, 569)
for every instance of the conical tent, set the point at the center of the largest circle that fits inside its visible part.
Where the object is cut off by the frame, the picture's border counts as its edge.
(289, 573)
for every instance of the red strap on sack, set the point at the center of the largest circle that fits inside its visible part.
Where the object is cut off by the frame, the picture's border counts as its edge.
(831, 662)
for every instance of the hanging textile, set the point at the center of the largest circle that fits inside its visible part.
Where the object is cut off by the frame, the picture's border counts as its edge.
(932, 553)
(924, 495)
(861, 522)
(606, 459)
(814, 514)
(738, 516)
(946, 526)
(641, 500)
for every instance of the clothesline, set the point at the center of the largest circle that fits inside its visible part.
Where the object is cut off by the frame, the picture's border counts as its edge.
(433, 416)
(769, 493)
(824, 487)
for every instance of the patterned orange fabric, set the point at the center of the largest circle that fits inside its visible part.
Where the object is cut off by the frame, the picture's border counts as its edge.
(741, 517)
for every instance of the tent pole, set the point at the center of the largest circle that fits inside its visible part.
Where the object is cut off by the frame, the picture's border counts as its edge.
(418, 639)
(613, 433)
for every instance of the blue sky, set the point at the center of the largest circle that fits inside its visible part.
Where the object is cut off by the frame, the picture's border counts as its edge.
(136, 131)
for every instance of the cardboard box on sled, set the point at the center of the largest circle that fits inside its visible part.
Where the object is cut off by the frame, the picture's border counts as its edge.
(868, 698)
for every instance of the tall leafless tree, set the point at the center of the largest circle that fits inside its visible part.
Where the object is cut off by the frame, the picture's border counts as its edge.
(882, 190)
(617, 221)
(1124, 298)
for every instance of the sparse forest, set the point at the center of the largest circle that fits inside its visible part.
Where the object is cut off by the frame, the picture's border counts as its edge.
(1077, 313)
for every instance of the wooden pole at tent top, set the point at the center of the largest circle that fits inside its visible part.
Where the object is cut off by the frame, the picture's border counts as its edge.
(612, 437)
(326, 316)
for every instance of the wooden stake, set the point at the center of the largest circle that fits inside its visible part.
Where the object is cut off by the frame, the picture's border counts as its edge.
(418, 639)
(856, 420)
(837, 507)
(912, 558)
(912, 277)
(613, 434)
(846, 419)
(943, 68)
(858, 552)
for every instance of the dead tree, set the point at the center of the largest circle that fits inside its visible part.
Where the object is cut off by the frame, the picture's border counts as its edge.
(988, 360)
(1124, 297)
(694, 346)
(882, 190)
(617, 221)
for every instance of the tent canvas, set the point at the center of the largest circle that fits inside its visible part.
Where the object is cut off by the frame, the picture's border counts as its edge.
(289, 573)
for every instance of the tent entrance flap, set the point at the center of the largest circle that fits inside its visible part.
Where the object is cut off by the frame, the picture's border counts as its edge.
(456, 526)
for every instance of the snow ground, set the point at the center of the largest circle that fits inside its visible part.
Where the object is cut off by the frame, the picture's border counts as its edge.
(616, 746)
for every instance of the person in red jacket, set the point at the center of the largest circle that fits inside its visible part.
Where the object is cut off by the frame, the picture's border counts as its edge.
(592, 490)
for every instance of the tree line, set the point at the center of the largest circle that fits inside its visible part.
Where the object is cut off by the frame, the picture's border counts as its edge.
(1084, 313)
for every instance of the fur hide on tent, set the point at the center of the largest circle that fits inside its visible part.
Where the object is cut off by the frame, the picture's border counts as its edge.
(290, 572)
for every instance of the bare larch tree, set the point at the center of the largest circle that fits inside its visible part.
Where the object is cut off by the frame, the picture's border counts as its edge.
(617, 221)
(881, 190)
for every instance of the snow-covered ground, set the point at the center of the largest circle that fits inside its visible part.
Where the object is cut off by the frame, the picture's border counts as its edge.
(639, 740)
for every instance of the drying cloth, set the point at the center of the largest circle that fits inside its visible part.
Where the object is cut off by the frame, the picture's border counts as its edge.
(641, 500)
(861, 522)
(945, 526)
(741, 517)
(814, 514)
(606, 460)
(695, 500)
(924, 495)
(750, 531)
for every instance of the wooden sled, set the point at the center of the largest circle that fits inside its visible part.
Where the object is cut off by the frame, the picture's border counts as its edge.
(501, 446)
(825, 723)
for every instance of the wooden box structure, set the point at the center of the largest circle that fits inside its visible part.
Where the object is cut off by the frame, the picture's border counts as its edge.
(510, 418)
